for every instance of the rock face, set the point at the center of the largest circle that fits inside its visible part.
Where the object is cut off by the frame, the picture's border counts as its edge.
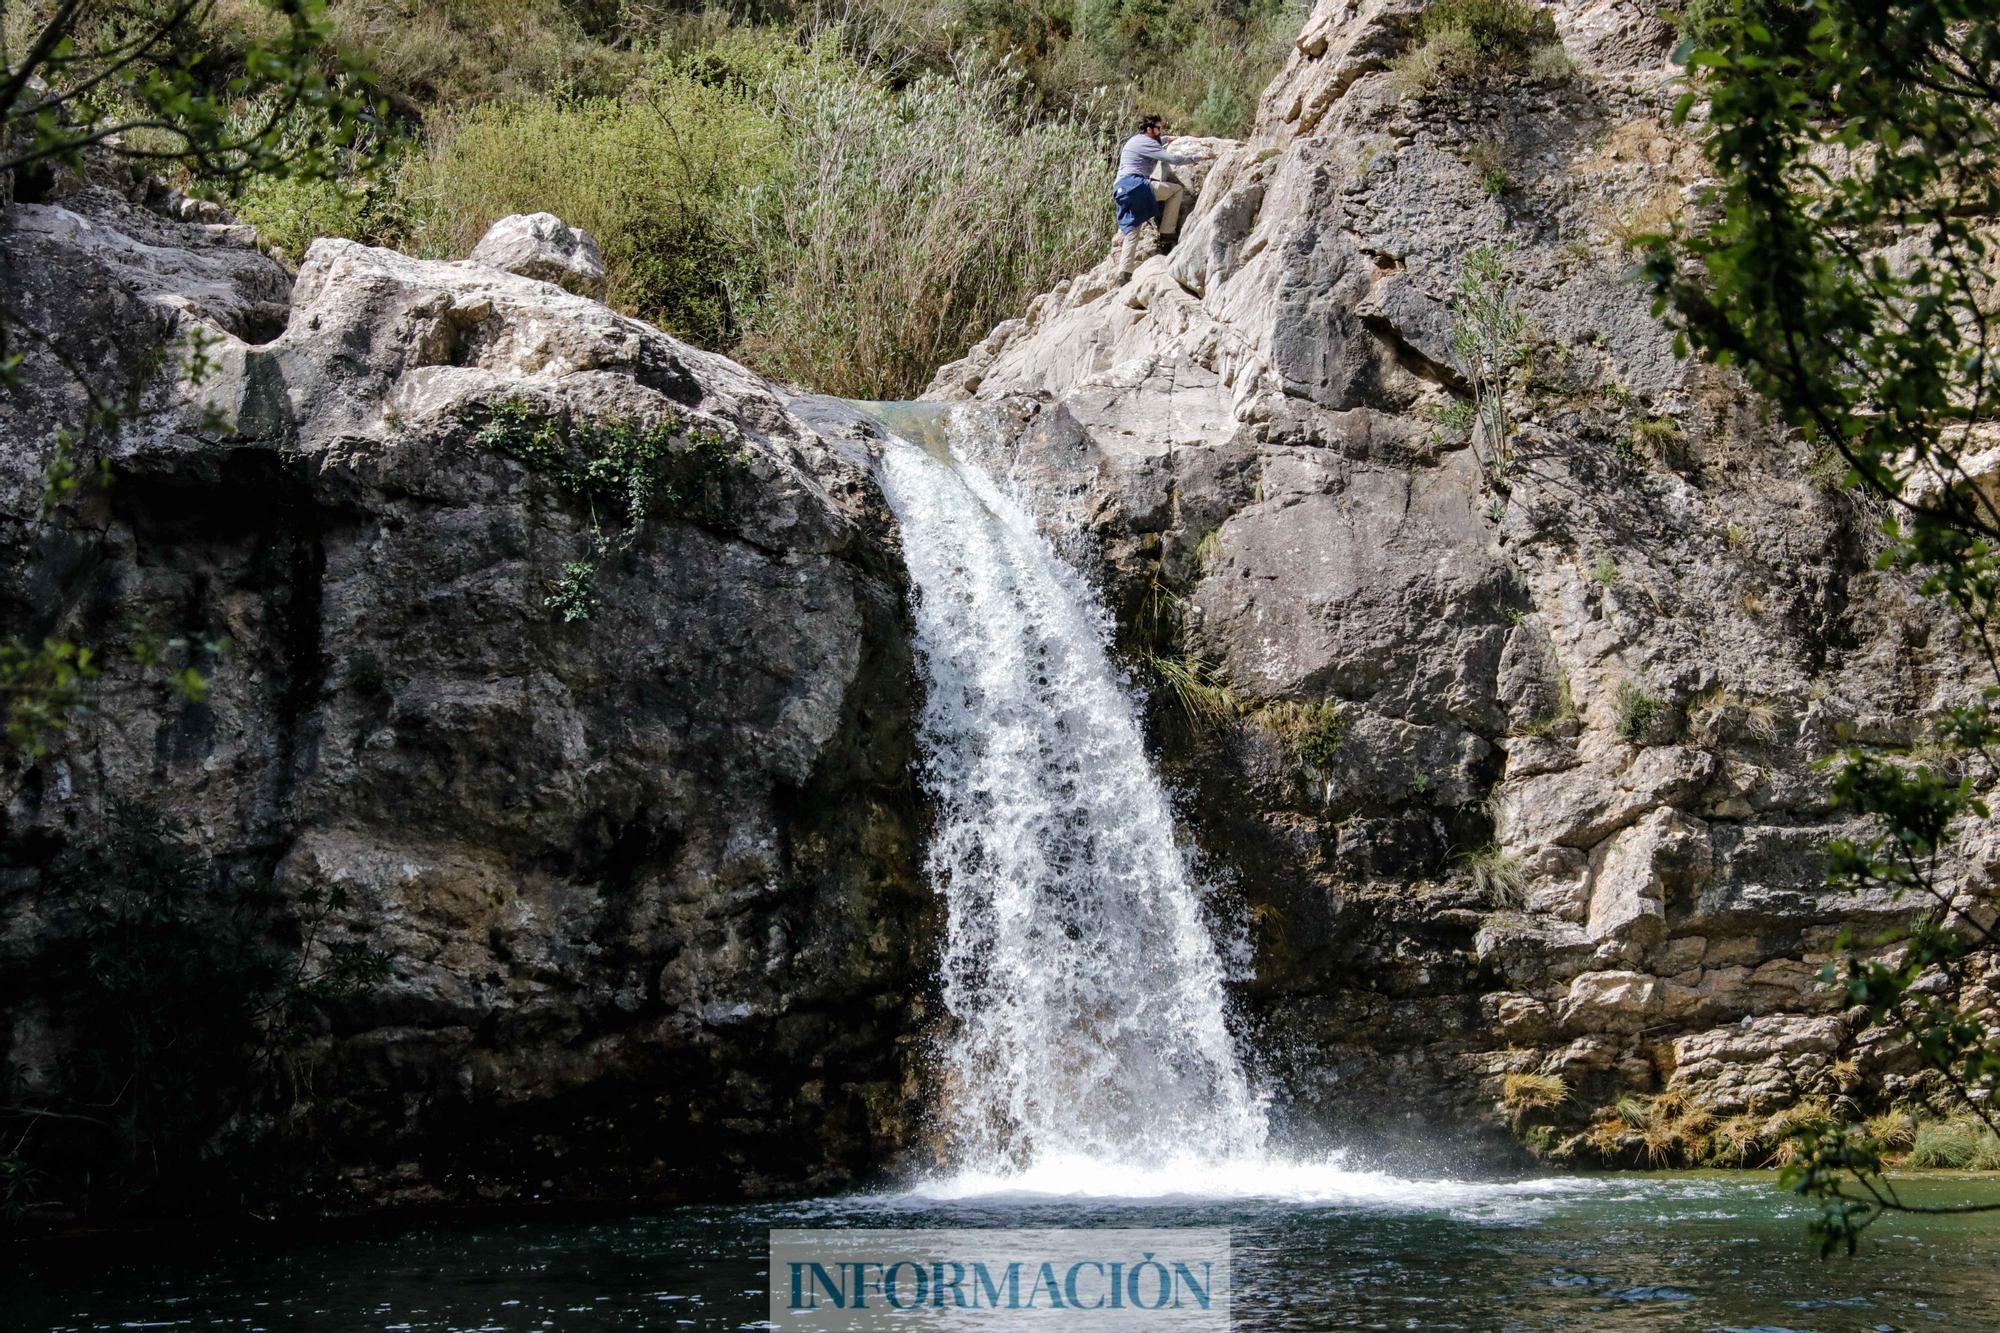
(1518, 772)
(645, 885)
(541, 245)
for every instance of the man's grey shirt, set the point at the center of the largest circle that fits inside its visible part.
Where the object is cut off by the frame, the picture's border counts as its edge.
(1142, 152)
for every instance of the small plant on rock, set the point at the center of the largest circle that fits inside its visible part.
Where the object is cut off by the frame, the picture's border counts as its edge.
(1635, 710)
(624, 472)
(1654, 436)
(1565, 709)
(1521, 1094)
(1455, 421)
(573, 594)
(1313, 732)
(1488, 157)
(1721, 713)
(1489, 340)
(1737, 1142)
(1894, 1129)
(1192, 684)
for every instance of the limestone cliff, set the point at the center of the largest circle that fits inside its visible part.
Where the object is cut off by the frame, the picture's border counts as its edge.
(1509, 746)
(1505, 749)
(645, 884)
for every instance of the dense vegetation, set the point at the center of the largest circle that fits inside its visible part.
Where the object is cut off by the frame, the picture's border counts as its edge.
(843, 196)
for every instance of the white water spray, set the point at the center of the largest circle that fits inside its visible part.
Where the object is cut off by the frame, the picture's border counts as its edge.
(1086, 990)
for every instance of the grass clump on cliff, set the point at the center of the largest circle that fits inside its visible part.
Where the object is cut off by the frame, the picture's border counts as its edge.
(1670, 1129)
(1191, 683)
(1311, 732)
(1635, 711)
(1523, 1094)
(1463, 41)
(1499, 875)
(1963, 1144)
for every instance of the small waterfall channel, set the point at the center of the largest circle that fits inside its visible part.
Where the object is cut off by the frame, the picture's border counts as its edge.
(1086, 989)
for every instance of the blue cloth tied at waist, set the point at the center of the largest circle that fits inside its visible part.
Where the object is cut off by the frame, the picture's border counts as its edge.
(1136, 204)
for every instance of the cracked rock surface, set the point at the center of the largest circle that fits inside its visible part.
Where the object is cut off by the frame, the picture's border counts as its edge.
(1605, 664)
(647, 884)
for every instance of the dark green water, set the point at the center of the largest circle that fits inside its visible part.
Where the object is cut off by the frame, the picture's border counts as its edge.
(1692, 1251)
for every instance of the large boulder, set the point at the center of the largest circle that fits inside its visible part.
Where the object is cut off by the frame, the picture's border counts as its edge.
(543, 246)
(646, 884)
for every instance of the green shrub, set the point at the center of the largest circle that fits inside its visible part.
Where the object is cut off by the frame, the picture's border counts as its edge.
(1552, 64)
(290, 213)
(1462, 41)
(1634, 711)
(1699, 21)
(665, 179)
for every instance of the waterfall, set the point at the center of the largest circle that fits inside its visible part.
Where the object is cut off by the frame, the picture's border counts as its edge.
(1085, 987)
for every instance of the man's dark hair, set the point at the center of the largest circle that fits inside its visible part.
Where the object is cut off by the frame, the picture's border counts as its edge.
(1150, 122)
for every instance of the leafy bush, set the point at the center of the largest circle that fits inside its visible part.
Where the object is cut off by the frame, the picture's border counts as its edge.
(664, 179)
(1462, 41)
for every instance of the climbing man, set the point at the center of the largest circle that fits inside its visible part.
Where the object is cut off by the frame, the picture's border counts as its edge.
(1139, 197)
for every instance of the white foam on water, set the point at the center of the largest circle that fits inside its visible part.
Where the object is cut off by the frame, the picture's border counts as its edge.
(1327, 1181)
